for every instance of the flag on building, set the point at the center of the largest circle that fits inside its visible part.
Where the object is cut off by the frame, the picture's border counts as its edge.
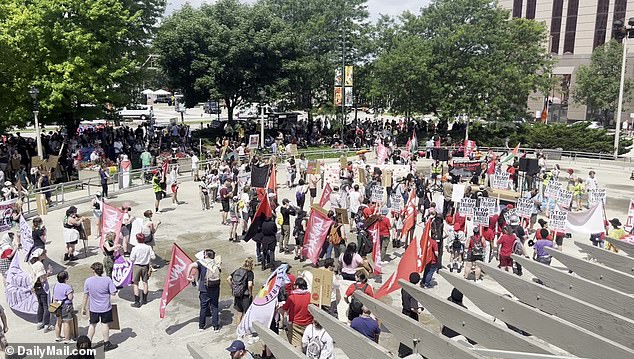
(315, 236)
(325, 196)
(414, 260)
(176, 279)
(508, 159)
(262, 211)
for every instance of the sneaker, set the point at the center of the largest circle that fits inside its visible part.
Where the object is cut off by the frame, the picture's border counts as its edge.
(253, 340)
(48, 328)
(59, 339)
(40, 326)
(69, 341)
(201, 329)
(216, 329)
(109, 346)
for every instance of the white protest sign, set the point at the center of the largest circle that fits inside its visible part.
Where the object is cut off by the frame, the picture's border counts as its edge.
(501, 180)
(558, 220)
(458, 193)
(396, 201)
(564, 198)
(597, 195)
(490, 204)
(466, 206)
(524, 207)
(481, 216)
(377, 193)
(552, 189)
(510, 213)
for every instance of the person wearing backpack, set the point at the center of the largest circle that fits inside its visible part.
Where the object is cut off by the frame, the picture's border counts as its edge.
(475, 252)
(455, 246)
(355, 307)
(241, 284)
(299, 231)
(518, 245)
(317, 343)
(336, 237)
(505, 248)
(208, 287)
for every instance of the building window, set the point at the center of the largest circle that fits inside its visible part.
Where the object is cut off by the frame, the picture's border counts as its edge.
(555, 25)
(601, 23)
(517, 8)
(530, 9)
(619, 11)
(571, 26)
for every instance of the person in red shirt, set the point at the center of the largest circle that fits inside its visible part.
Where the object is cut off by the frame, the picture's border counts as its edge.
(369, 210)
(505, 248)
(299, 317)
(362, 285)
(489, 237)
(490, 172)
(430, 268)
(475, 253)
(384, 225)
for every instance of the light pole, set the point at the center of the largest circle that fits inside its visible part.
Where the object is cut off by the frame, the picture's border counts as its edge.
(621, 32)
(262, 94)
(33, 91)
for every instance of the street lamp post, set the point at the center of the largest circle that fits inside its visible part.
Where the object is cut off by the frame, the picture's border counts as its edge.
(34, 92)
(620, 31)
(262, 94)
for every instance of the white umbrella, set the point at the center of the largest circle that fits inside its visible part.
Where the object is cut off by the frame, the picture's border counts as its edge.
(148, 92)
(162, 92)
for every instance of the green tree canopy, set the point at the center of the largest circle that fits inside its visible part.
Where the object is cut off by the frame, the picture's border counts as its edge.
(598, 83)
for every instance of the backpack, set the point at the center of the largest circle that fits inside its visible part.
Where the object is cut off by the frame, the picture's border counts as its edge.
(456, 245)
(300, 196)
(518, 247)
(315, 345)
(239, 282)
(334, 236)
(356, 307)
(212, 274)
(478, 248)
(366, 245)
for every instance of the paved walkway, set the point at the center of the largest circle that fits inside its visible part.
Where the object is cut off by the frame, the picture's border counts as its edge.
(145, 335)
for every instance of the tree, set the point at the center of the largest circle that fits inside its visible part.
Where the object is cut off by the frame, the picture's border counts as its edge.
(228, 50)
(76, 52)
(598, 83)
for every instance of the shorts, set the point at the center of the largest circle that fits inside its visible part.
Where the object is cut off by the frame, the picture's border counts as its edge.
(242, 303)
(140, 273)
(66, 312)
(174, 188)
(506, 262)
(225, 206)
(299, 240)
(158, 195)
(72, 243)
(105, 317)
(313, 192)
(559, 239)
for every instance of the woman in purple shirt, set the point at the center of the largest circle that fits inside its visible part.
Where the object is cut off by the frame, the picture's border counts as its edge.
(99, 289)
(63, 293)
(539, 251)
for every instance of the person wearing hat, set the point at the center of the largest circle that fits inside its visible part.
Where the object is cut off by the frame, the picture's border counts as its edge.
(615, 232)
(72, 228)
(9, 191)
(141, 256)
(209, 269)
(238, 350)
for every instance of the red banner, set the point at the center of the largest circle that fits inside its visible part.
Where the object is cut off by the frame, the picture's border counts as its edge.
(410, 215)
(316, 232)
(413, 260)
(376, 247)
(176, 279)
(111, 219)
(381, 154)
(325, 196)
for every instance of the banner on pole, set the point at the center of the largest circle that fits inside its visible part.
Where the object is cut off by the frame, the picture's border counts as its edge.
(316, 232)
(349, 76)
(176, 279)
(338, 96)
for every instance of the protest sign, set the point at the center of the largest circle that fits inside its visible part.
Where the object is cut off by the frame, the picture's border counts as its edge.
(490, 204)
(313, 167)
(396, 202)
(458, 193)
(480, 216)
(322, 287)
(342, 216)
(18, 287)
(564, 198)
(386, 177)
(524, 207)
(6, 209)
(466, 169)
(122, 272)
(597, 195)
(254, 141)
(377, 193)
(558, 220)
(501, 180)
(510, 213)
(552, 189)
(466, 206)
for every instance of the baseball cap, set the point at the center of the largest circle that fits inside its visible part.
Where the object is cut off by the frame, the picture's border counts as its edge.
(235, 346)
(37, 252)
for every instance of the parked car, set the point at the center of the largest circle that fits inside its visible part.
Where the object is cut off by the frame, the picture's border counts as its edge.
(132, 112)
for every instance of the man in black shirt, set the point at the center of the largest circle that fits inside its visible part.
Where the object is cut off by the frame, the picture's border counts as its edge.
(411, 308)
(286, 212)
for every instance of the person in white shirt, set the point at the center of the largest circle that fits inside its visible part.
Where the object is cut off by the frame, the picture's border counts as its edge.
(195, 161)
(317, 343)
(591, 181)
(354, 198)
(141, 256)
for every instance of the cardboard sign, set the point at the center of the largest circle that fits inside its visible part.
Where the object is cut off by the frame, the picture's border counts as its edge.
(115, 325)
(564, 198)
(36, 162)
(387, 178)
(558, 220)
(377, 194)
(313, 167)
(342, 216)
(597, 195)
(322, 287)
(524, 207)
(52, 162)
(457, 193)
(490, 204)
(293, 150)
(501, 180)
(343, 161)
(362, 178)
(552, 189)
(467, 206)
(481, 216)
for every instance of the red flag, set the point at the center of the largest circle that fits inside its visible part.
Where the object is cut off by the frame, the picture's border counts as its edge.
(111, 219)
(408, 146)
(381, 154)
(165, 169)
(544, 115)
(411, 212)
(315, 236)
(176, 279)
(414, 260)
(262, 211)
(272, 184)
(376, 247)
(325, 196)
